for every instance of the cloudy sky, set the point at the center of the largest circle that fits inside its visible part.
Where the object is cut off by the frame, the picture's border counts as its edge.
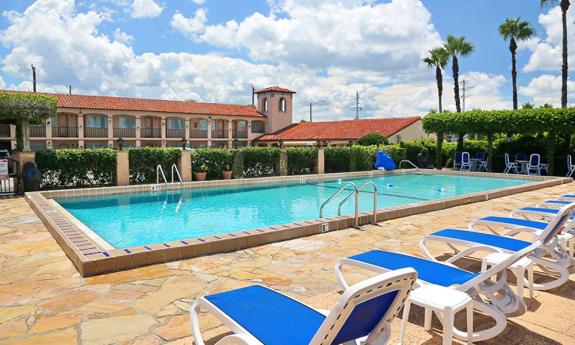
(214, 50)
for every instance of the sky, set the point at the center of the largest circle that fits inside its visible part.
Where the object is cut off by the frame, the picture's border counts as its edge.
(325, 50)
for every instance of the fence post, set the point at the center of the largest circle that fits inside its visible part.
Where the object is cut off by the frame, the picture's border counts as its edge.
(23, 157)
(320, 161)
(185, 166)
(122, 168)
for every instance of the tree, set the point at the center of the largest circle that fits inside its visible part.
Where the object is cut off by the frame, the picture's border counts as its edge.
(457, 47)
(527, 106)
(438, 58)
(21, 109)
(372, 139)
(515, 30)
(564, 4)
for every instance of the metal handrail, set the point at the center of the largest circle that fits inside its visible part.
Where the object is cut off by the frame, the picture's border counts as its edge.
(174, 167)
(410, 163)
(158, 171)
(359, 190)
(337, 193)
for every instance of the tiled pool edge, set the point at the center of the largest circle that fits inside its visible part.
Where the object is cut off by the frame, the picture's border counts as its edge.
(91, 259)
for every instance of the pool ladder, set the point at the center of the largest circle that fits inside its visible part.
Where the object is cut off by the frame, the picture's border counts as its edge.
(417, 169)
(160, 172)
(355, 192)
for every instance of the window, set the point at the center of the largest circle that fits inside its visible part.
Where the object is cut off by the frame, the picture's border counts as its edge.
(283, 105)
(126, 122)
(202, 124)
(97, 121)
(265, 105)
(175, 123)
(242, 125)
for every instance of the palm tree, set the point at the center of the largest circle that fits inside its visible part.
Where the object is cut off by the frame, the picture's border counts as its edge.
(564, 4)
(515, 30)
(457, 47)
(438, 58)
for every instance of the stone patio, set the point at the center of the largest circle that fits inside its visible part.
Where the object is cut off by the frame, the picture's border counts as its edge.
(43, 299)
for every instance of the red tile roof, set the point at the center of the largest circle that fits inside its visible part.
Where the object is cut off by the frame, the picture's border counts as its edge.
(275, 89)
(150, 105)
(340, 130)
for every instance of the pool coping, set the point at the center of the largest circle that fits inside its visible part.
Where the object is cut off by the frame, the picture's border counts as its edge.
(92, 257)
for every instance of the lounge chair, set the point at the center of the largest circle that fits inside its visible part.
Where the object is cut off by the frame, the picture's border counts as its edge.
(258, 315)
(552, 256)
(488, 289)
(570, 166)
(457, 160)
(465, 161)
(534, 164)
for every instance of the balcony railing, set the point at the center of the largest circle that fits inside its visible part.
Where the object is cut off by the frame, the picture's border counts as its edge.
(95, 132)
(175, 133)
(240, 134)
(151, 133)
(220, 133)
(198, 133)
(124, 132)
(4, 131)
(38, 131)
(65, 132)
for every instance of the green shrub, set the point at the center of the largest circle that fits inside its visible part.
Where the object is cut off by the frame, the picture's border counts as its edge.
(76, 168)
(372, 139)
(143, 163)
(301, 160)
(217, 160)
(337, 159)
(260, 161)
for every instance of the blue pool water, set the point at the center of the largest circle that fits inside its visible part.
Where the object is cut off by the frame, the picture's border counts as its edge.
(146, 218)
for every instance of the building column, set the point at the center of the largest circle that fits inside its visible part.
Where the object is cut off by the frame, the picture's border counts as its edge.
(48, 124)
(250, 135)
(81, 130)
(13, 142)
(110, 131)
(230, 134)
(122, 168)
(209, 132)
(188, 127)
(163, 131)
(320, 161)
(138, 131)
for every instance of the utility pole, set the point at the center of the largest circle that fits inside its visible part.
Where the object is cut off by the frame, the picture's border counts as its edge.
(253, 96)
(69, 89)
(357, 105)
(310, 111)
(464, 95)
(33, 78)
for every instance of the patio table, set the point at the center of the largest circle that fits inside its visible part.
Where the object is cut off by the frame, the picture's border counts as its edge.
(523, 164)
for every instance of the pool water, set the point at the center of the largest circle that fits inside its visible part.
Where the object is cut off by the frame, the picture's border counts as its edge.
(127, 220)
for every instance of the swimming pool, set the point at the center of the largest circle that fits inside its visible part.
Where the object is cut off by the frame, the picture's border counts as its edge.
(128, 220)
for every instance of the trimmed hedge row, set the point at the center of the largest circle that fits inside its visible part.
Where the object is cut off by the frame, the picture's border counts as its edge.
(301, 160)
(260, 161)
(358, 158)
(69, 168)
(144, 161)
(216, 159)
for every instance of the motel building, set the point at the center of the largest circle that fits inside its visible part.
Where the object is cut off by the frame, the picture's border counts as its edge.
(99, 121)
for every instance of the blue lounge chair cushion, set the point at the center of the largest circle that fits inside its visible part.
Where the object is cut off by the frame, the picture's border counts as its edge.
(561, 202)
(569, 196)
(427, 270)
(540, 209)
(271, 317)
(516, 221)
(497, 241)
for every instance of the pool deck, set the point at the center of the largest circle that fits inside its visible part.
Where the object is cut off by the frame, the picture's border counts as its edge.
(44, 300)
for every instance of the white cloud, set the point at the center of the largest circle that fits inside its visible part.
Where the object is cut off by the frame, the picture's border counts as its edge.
(546, 52)
(190, 27)
(199, 2)
(122, 37)
(68, 48)
(145, 9)
(545, 89)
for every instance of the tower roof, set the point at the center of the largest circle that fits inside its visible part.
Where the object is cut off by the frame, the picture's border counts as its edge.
(275, 89)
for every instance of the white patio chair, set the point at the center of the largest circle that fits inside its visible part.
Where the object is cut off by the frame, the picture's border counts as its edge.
(465, 161)
(509, 165)
(534, 164)
(570, 166)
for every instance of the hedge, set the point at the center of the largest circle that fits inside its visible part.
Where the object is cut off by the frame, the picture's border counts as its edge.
(216, 159)
(301, 160)
(67, 168)
(260, 161)
(358, 158)
(143, 163)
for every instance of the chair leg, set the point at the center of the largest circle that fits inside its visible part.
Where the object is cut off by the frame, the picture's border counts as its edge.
(406, 308)
(427, 320)
(447, 327)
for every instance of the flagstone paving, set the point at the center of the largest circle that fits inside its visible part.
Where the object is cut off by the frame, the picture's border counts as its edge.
(43, 299)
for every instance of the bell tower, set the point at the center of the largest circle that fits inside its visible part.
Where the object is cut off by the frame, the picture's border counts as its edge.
(277, 104)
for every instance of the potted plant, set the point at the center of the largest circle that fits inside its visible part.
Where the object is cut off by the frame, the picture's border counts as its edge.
(201, 175)
(227, 173)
